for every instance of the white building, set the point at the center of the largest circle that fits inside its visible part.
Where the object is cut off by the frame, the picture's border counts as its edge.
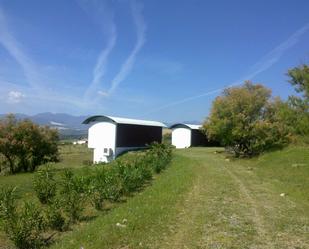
(111, 136)
(80, 142)
(187, 135)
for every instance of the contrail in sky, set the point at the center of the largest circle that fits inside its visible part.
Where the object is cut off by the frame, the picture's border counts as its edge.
(106, 20)
(262, 65)
(8, 41)
(141, 38)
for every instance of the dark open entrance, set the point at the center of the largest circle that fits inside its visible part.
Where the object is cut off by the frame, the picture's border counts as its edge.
(198, 138)
(129, 135)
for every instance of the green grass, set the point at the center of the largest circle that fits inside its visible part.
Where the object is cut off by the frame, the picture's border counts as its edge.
(147, 213)
(71, 157)
(287, 169)
(203, 200)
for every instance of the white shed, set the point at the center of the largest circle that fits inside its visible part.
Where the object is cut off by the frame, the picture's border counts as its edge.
(187, 135)
(111, 136)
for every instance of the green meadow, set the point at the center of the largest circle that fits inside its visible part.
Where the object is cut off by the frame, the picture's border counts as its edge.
(204, 199)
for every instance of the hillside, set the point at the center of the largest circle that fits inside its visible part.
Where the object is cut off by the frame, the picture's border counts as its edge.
(205, 200)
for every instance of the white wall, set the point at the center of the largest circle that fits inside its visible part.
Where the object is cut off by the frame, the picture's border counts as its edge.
(181, 137)
(102, 135)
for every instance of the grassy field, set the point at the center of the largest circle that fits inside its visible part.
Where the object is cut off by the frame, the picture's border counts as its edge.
(72, 156)
(203, 200)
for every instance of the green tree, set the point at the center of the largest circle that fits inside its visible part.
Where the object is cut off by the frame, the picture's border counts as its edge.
(25, 145)
(8, 148)
(299, 78)
(241, 119)
(297, 116)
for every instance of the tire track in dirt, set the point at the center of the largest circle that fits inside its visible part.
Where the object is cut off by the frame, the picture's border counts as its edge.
(186, 218)
(257, 218)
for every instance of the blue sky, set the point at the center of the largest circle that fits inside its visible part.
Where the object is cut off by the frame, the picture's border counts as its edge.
(163, 60)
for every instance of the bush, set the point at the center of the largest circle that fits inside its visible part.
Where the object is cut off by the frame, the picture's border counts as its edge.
(131, 176)
(25, 145)
(144, 167)
(114, 184)
(158, 156)
(55, 219)
(45, 185)
(26, 227)
(73, 195)
(8, 203)
(242, 118)
(97, 188)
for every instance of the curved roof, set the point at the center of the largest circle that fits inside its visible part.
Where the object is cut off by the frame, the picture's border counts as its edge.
(190, 126)
(118, 120)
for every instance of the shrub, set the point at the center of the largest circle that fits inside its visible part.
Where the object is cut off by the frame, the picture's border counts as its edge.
(8, 203)
(55, 219)
(73, 195)
(45, 185)
(144, 167)
(97, 188)
(114, 184)
(130, 175)
(26, 227)
(158, 156)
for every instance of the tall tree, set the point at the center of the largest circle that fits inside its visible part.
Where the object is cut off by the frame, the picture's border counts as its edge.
(241, 119)
(299, 78)
(296, 114)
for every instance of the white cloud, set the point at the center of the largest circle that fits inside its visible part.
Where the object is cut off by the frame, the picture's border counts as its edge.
(15, 97)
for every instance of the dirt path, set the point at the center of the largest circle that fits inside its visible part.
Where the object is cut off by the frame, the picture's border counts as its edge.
(189, 210)
(256, 216)
(228, 207)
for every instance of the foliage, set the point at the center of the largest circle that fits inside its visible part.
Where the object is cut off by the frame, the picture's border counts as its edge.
(158, 156)
(131, 176)
(299, 78)
(45, 185)
(127, 176)
(242, 119)
(25, 145)
(7, 203)
(97, 188)
(23, 226)
(167, 138)
(72, 192)
(55, 218)
(297, 108)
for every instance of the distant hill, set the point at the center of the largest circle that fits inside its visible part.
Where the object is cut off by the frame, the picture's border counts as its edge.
(68, 125)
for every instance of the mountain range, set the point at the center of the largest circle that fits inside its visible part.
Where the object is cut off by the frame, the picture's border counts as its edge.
(68, 125)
